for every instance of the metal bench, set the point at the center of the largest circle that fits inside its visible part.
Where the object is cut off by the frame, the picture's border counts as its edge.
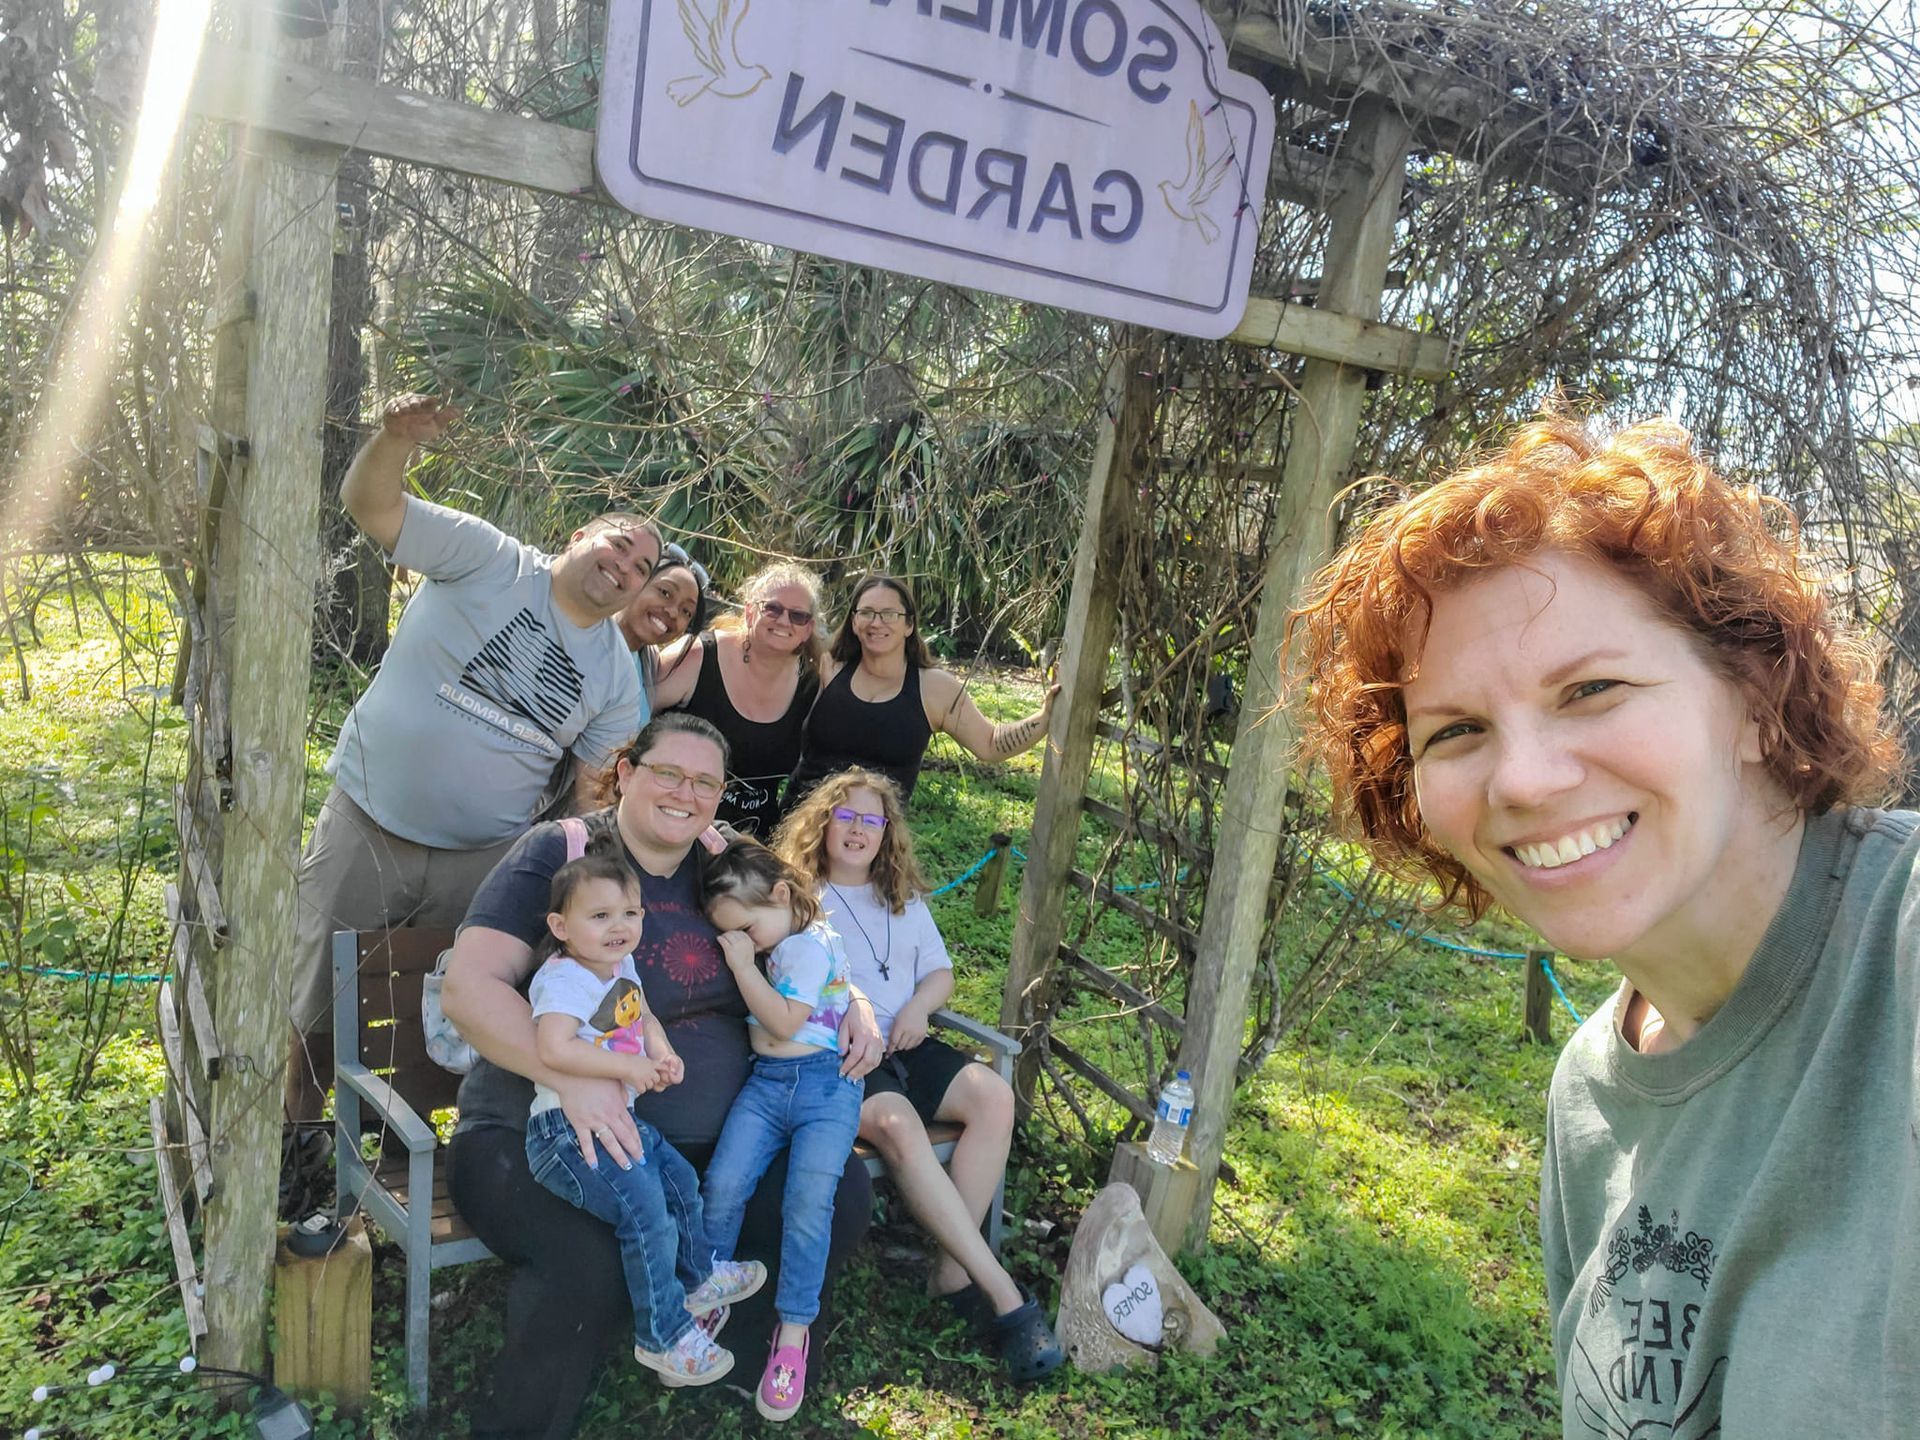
(385, 1084)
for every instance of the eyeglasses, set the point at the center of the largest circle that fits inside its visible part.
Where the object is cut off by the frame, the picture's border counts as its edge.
(672, 777)
(847, 817)
(800, 618)
(867, 616)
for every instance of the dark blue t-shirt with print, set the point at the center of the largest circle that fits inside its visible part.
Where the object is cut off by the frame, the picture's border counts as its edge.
(678, 959)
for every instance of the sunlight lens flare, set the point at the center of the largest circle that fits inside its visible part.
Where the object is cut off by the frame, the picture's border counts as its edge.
(77, 391)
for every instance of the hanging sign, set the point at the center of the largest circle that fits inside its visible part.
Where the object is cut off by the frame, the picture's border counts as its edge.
(1093, 154)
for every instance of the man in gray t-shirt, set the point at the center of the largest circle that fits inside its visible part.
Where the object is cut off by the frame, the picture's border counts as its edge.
(506, 662)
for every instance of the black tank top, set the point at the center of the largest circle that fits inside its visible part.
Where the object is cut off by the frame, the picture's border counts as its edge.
(844, 731)
(762, 754)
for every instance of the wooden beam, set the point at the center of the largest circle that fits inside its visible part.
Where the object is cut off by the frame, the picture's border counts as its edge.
(272, 524)
(1181, 756)
(185, 1274)
(175, 1051)
(1092, 611)
(322, 106)
(1345, 339)
(306, 102)
(1320, 447)
(1111, 985)
(1444, 109)
(1147, 830)
(199, 867)
(1141, 915)
(319, 105)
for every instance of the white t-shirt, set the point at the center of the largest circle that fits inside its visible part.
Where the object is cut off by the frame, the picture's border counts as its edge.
(889, 954)
(610, 1012)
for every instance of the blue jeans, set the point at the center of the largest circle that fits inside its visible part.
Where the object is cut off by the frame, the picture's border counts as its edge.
(802, 1102)
(654, 1208)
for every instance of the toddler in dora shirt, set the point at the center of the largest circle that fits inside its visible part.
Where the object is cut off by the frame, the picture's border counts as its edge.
(590, 1020)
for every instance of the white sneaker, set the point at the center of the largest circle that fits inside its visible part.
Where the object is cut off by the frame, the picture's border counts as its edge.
(693, 1359)
(731, 1280)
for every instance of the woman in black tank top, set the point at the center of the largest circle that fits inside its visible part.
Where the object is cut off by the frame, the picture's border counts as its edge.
(727, 677)
(884, 699)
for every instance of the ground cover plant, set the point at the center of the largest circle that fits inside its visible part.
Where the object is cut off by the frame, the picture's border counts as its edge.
(1376, 1265)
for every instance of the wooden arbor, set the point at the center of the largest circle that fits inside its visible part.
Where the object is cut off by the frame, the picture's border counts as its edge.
(296, 116)
(1362, 211)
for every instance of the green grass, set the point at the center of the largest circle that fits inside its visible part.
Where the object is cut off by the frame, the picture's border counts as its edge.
(1377, 1266)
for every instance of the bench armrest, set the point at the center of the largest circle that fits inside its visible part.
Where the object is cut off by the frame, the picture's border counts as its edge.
(1000, 1045)
(414, 1132)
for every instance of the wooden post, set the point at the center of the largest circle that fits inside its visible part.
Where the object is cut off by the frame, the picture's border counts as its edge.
(1128, 403)
(986, 898)
(1319, 448)
(1539, 1011)
(276, 565)
(323, 1321)
(1168, 1193)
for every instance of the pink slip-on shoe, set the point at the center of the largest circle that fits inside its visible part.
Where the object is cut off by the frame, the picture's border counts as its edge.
(784, 1384)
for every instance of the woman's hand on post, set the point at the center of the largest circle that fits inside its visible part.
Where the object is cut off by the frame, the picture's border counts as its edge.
(597, 1110)
(861, 1047)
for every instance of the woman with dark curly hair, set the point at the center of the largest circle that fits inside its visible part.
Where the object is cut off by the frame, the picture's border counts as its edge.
(1594, 684)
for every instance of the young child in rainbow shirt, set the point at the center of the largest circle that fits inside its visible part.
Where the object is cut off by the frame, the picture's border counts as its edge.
(795, 1099)
(591, 1020)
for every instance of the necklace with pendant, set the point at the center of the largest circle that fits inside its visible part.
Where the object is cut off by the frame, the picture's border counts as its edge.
(846, 908)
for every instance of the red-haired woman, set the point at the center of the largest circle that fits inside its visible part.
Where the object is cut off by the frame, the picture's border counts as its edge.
(1594, 684)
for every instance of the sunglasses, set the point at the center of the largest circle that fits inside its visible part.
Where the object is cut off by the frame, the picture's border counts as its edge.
(847, 817)
(800, 618)
(672, 777)
(673, 553)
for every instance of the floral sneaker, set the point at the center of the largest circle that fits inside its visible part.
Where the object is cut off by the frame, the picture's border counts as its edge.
(693, 1359)
(713, 1322)
(731, 1280)
(784, 1384)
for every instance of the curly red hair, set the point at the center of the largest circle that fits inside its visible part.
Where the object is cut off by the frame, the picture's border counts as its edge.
(1722, 562)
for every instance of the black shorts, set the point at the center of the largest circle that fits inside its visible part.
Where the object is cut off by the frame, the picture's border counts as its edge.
(923, 1074)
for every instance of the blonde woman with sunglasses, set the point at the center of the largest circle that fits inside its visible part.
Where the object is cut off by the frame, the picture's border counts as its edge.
(754, 683)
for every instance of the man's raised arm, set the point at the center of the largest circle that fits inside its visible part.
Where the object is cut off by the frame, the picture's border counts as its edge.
(374, 491)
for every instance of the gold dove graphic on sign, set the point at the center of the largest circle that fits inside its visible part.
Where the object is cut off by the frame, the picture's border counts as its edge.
(715, 38)
(1187, 196)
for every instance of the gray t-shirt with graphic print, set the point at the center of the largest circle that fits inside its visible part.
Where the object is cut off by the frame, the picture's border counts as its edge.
(1732, 1229)
(485, 689)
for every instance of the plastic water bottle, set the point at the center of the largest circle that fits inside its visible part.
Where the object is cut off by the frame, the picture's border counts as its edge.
(1171, 1118)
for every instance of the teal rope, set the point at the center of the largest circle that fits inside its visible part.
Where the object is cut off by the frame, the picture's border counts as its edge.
(971, 871)
(1554, 980)
(52, 974)
(1437, 941)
